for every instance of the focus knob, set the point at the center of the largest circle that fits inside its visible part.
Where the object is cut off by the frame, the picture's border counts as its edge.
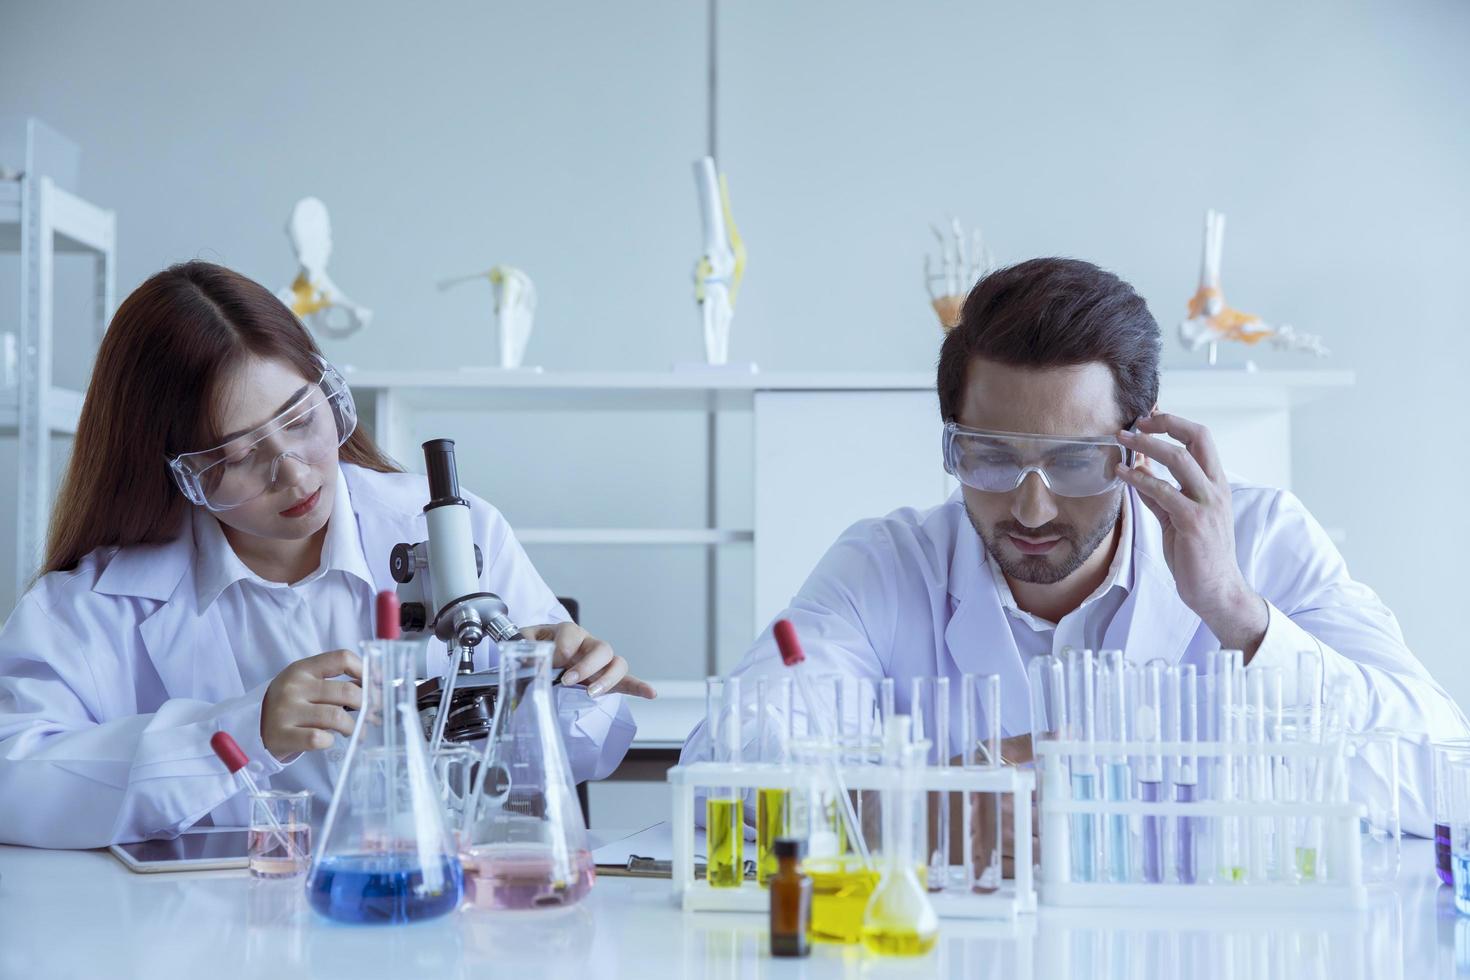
(413, 617)
(401, 563)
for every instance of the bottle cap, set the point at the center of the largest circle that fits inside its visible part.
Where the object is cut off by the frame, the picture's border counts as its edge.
(790, 847)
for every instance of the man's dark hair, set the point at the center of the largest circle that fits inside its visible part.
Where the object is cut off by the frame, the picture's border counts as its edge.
(1055, 313)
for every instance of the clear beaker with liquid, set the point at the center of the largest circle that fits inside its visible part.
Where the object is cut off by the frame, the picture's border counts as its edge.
(386, 855)
(527, 840)
(899, 919)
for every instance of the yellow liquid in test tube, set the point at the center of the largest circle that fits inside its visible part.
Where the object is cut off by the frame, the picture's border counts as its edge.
(841, 888)
(725, 843)
(770, 823)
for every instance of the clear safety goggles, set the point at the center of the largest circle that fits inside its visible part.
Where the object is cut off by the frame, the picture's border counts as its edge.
(309, 430)
(997, 462)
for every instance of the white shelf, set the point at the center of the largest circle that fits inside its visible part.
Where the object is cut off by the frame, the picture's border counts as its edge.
(624, 536)
(63, 410)
(78, 225)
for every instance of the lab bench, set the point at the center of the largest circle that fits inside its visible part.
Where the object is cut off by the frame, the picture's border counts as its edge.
(81, 914)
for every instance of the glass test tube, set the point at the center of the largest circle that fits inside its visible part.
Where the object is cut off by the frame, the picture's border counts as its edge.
(1048, 682)
(1258, 773)
(1308, 768)
(1081, 728)
(724, 820)
(1183, 727)
(1117, 779)
(930, 707)
(1147, 727)
(773, 747)
(980, 743)
(1228, 866)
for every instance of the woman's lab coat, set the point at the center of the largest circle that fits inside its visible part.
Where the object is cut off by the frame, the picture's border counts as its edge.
(912, 595)
(112, 682)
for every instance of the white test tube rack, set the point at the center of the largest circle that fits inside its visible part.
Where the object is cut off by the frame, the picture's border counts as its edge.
(695, 894)
(1337, 881)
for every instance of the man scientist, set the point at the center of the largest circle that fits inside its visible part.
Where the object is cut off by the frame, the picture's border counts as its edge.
(1065, 532)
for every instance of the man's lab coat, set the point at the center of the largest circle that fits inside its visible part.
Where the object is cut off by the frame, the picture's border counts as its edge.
(912, 595)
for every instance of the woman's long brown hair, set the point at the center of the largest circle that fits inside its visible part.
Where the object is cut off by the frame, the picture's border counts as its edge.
(171, 343)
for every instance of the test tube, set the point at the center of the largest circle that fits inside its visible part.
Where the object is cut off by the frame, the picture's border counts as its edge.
(980, 735)
(930, 707)
(1117, 780)
(1048, 682)
(1278, 783)
(1308, 731)
(773, 748)
(1257, 766)
(1148, 720)
(1081, 679)
(1226, 790)
(724, 819)
(1183, 727)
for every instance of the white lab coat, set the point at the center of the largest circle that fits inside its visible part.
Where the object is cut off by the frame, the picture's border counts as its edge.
(112, 682)
(911, 595)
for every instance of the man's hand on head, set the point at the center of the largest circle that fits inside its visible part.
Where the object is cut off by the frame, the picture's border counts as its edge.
(1199, 527)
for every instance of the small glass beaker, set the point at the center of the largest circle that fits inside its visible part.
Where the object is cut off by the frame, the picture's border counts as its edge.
(1459, 780)
(1381, 827)
(279, 844)
(1444, 753)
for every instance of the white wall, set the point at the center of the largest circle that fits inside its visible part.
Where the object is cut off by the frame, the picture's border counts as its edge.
(557, 136)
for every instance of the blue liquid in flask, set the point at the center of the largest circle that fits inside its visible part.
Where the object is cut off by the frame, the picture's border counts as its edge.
(383, 888)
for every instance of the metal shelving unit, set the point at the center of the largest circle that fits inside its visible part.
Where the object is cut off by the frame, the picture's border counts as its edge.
(39, 219)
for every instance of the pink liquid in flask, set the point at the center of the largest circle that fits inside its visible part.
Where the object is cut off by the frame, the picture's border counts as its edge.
(524, 876)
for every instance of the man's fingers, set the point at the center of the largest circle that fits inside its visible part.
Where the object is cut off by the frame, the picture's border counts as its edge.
(1186, 469)
(1156, 491)
(1195, 437)
(341, 693)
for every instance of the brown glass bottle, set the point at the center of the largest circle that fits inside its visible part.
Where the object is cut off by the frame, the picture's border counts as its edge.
(791, 902)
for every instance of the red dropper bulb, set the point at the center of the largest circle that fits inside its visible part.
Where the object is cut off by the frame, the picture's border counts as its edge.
(229, 751)
(787, 642)
(388, 628)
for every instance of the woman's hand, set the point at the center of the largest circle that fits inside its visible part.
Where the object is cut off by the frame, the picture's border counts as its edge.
(303, 706)
(589, 661)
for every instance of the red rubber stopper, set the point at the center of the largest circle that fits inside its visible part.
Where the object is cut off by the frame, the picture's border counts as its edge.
(786, 640)
(229, 751)
(388, 615)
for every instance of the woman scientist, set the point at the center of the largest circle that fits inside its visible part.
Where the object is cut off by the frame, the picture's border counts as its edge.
(214, 553)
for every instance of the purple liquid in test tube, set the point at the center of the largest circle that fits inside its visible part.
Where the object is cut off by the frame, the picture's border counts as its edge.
(1442, 853)
(1147, 726)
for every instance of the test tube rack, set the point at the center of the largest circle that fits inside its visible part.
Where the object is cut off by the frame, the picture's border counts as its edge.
(1336, 879)
(1014, 896)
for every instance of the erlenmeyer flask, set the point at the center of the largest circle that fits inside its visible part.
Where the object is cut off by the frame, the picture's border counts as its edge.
(899, 919)
(527, 840)
(386, 855)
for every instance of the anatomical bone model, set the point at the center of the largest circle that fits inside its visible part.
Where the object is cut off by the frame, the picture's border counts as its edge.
(719, 270)
(515, 308)
(1211, 321)
(961, 266)
(313, 296)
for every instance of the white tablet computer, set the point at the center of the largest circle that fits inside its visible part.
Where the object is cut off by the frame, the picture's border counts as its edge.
(200, 849)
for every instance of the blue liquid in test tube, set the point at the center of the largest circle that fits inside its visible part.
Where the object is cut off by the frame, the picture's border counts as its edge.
(1460, 869)
(1084, 829)
(1112, 701)
(1118, 780)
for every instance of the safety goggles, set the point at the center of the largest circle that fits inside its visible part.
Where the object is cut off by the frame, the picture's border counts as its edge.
(309, 430)
(997, 462)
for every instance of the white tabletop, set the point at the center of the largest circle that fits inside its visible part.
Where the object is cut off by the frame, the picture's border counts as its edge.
(81, 914)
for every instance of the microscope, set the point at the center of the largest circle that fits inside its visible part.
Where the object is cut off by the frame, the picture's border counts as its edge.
(439, 593)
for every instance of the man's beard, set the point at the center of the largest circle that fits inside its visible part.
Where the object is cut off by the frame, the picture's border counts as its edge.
(1041, 569)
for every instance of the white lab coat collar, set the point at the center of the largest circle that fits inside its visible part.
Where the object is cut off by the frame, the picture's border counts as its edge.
(217, 567)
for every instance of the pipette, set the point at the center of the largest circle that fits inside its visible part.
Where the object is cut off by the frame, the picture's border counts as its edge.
(236, 760)
(792, 656)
